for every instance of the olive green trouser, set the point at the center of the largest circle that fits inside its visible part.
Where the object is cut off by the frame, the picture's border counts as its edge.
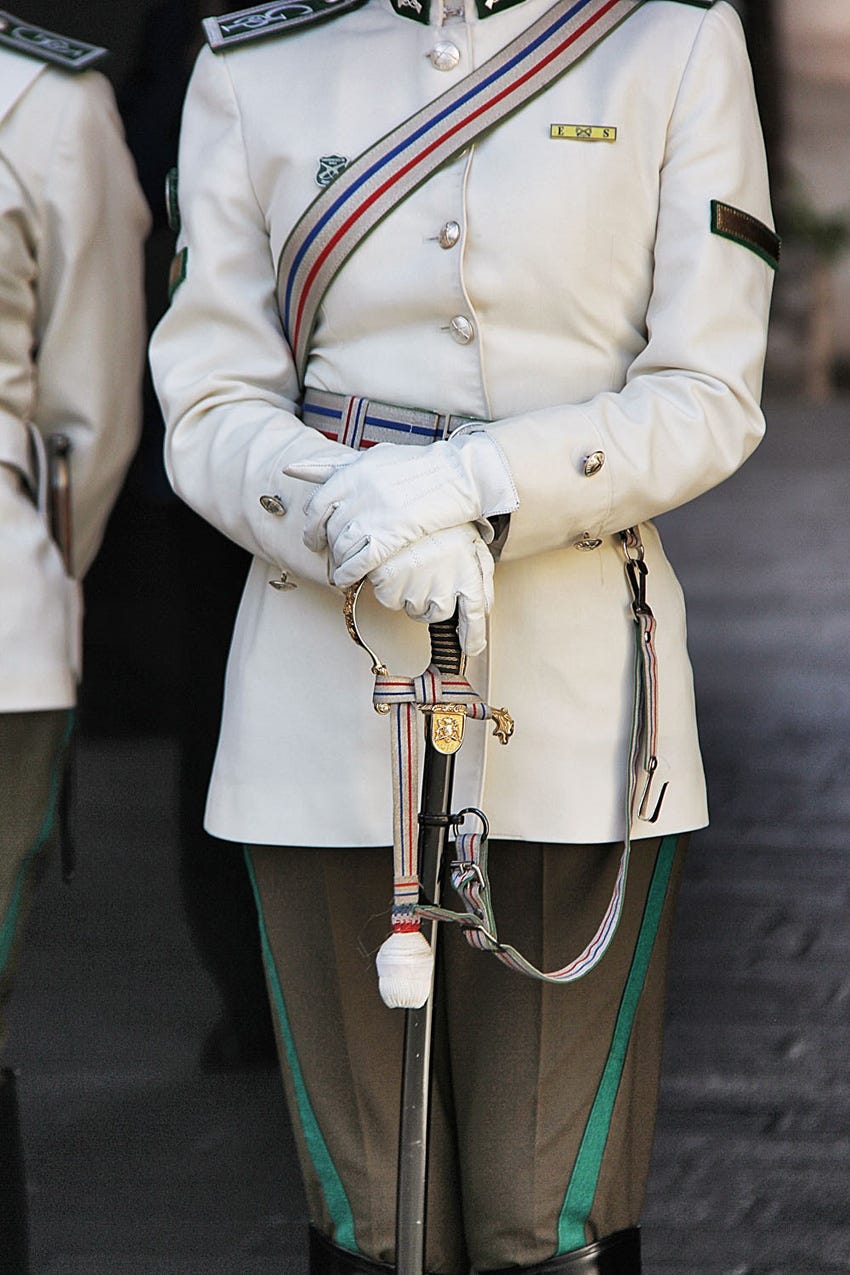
(544, 1097)
(31, 747)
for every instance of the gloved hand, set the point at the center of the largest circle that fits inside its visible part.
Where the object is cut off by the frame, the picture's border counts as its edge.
(392, 495)
(428, 578)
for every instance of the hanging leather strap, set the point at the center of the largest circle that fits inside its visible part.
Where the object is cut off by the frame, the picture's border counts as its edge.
(381, 177)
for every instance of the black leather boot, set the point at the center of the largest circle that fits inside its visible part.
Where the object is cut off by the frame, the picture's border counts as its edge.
(617, 1254)
(326, 1258)
(14, 1245)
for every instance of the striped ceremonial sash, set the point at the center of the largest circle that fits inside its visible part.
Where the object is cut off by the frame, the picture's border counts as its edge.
(373, 183)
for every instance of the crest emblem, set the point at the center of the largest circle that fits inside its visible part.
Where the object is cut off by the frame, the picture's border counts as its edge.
(330, 166)
(447, 722)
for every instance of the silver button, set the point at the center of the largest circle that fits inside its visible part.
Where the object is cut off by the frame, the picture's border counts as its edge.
(444, 55)
(283, 583)
(587, 542)
(462, 330)
(273, 505)
(593, 463)
(449, 234)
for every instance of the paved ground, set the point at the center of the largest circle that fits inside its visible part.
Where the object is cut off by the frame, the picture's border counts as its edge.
(141, 1165)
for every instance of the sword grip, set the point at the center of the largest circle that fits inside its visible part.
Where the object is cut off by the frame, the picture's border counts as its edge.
(446, 653)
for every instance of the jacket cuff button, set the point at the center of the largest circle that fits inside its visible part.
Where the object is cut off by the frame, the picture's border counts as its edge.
(273, 505)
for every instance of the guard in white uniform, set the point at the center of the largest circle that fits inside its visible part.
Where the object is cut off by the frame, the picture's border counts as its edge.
(72, 224)
(571, 307)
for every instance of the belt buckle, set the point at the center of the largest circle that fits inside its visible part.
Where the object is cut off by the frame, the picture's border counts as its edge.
(447, 423)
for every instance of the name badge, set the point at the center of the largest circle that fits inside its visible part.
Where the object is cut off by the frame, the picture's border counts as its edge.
(583, 132)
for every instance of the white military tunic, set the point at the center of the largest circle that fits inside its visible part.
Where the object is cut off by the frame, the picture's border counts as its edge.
(572, 293)
(72, 224)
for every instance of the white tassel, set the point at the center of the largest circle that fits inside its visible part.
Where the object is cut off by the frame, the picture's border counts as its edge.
(405, 970)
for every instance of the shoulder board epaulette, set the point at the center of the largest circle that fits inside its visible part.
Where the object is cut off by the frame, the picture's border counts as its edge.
(47, 46)
(271, 19)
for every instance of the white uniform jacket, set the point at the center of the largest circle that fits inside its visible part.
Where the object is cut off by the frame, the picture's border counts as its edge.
(605, 316)
(72, 224)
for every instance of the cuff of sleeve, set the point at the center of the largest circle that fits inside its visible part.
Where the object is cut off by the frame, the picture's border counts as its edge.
(489, 470)
(562, 468)
(279, 521)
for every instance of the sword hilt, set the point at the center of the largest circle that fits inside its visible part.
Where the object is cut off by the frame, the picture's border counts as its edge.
(446, 653)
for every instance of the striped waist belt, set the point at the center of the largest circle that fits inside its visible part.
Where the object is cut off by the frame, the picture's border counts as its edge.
(362, 422)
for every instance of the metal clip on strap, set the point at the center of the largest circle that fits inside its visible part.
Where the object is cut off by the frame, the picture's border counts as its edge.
(643, 769)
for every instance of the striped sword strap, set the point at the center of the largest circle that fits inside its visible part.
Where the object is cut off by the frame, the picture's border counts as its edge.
(400, 698)
(382, 176)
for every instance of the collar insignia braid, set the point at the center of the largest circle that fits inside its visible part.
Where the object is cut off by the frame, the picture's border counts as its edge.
(47, 46)
(271, 19)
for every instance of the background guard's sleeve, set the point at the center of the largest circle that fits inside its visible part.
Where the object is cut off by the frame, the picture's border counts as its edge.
(689, 413)
(90, 325)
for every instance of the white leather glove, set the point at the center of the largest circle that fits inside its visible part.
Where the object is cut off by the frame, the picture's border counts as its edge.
(429, 578)
(394, 494)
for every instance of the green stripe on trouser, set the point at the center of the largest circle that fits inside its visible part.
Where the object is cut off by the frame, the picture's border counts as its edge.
(585, 1176)
(14, 906)
(335, 1197)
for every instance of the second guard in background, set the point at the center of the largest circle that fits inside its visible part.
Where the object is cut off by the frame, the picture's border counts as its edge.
(72, 225)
